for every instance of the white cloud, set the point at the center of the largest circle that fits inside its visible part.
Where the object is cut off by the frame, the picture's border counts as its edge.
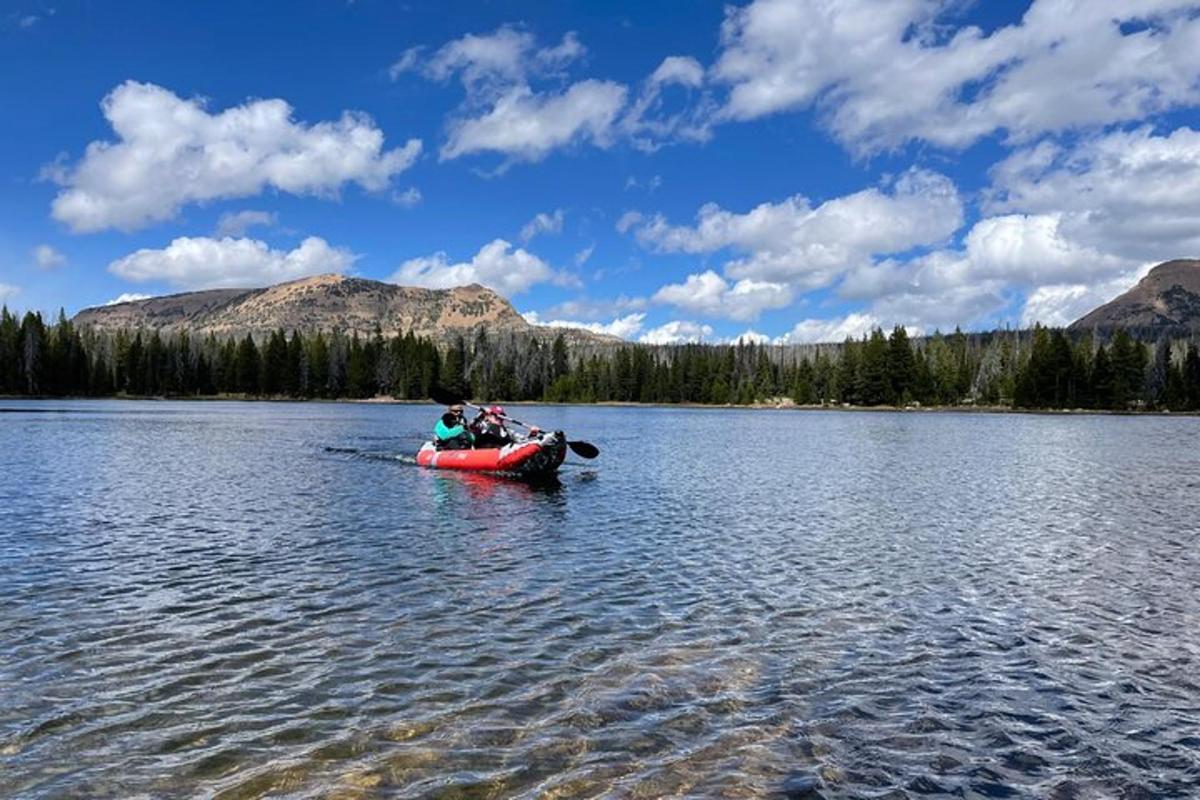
(1060, 305)
(793, 242)
(885, 73)
(658, 116)
(1002, 257)
(969, 305)
(201, 262)
(409, 198)
(651, 184)
(47, 258)
(8, 292)
(1131, 194)
(170, 152)
(583, 255)
(1071, 227)
(502, 112)
(593, 310)
(708, 294)
(1033, 249)
(543, 223)
(677, 332)
(235, 224)
(497, 265)
(527, 125)
(750, 336)
(483, 61)
(629, 220)
(128, 297)
(683, 70)
(811, 331)
(409, 61)
(622, 327)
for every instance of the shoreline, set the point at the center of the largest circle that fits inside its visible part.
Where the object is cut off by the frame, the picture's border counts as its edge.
(771, 406)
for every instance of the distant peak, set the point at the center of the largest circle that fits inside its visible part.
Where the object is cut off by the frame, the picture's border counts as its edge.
(1168, 296)
(325, 279)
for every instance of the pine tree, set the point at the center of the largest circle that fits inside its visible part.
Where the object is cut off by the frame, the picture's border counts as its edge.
(1102, 380)
(875, 387)
(900, 365)
(247, 366)
(847, 373)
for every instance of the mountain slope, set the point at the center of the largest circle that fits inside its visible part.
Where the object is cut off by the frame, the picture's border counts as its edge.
(1169, 296)
(328, 303)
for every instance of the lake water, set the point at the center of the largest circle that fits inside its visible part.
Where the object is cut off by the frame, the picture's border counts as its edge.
(249, 599)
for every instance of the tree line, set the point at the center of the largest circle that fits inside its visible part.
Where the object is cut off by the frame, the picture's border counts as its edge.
(1042, 368)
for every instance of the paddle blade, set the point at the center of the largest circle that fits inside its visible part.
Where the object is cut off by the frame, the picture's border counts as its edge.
(444, 397)
(585, 449)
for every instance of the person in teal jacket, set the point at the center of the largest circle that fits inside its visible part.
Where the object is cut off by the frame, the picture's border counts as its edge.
(451, 433)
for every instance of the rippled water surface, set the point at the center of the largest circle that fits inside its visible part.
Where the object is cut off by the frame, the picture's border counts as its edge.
(246, 600)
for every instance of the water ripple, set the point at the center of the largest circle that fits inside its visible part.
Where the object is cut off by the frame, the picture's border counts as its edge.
(248, 600)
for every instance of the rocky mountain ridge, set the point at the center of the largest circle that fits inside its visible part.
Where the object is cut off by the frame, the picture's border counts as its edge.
(1168, 297)
(329, 303)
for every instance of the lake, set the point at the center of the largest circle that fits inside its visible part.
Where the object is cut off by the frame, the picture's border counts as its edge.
(250, 599)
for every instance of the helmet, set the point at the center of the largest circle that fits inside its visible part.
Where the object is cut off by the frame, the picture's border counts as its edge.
(496, 410)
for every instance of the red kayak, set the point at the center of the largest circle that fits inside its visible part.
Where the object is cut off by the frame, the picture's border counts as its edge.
(530, 458)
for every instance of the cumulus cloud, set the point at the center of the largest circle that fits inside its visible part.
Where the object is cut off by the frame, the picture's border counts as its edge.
(497, 265)
(750, 336)
(806, 247)
(503, 113)
(622, 327)
(7, 292)
(205, 263)
(128, 297)
(812, 331)
(708, 294)
(882, 74)
(485, 61)
(1132, 194)
(683, 70)
(1070, 228)
(170, 152)
(528, 125)
(47, 258)
(677, 332)
(1060, 305)
(543, 223)
(235, 224)
(509, 108)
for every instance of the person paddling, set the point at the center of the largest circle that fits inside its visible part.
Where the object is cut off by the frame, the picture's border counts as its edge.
(489, 429)
(451, 433)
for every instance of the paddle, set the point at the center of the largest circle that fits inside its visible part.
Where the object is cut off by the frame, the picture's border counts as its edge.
(446, 398)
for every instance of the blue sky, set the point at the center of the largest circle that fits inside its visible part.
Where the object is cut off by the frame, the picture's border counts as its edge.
(796, 170)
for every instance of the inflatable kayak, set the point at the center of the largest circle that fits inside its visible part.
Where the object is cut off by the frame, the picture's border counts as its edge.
(530, 458)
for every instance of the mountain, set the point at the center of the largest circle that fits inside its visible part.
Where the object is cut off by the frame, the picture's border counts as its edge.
(1169, 296)
(328, 303)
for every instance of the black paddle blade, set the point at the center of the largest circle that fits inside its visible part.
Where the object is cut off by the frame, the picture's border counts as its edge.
(585, 449)
(444, 397)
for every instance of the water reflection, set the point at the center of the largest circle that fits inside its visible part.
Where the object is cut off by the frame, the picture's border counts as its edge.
(241, 600)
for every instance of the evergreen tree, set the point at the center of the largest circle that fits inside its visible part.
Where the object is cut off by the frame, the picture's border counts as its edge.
(875, 387)
(900, 365)
(1103, 384)
(247, 366)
